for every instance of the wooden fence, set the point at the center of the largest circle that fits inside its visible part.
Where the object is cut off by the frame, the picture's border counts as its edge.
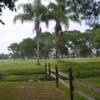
(61, 77)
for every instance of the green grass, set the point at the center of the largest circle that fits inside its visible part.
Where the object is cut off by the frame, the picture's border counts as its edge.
(20, 67)
(31, 91)
(88, 91)
(87, 69)
(14, 74)
(36, 90)
(82, 67)
(94, 80)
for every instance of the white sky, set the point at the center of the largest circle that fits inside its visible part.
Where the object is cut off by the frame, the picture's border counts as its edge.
(11, 32)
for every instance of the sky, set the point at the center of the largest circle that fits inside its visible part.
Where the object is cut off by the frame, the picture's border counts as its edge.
(11, 32)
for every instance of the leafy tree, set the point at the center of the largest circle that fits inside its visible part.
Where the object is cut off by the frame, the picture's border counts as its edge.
(36, 12)
(46, 44)
(27, 48)
(97, 40)
(4, 56)
(14, 48)
(77, 42)
(6, 3)
(88, 10)
(64, 44)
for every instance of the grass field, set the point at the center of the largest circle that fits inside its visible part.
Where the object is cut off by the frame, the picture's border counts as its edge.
(24, 80)
(31, 91)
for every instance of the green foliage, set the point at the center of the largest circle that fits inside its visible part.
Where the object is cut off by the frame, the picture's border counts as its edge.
(27, 47)
(81, 44)
(46, 44)
(14, 48)
(6, 3)
(89, 10)
(97, 38)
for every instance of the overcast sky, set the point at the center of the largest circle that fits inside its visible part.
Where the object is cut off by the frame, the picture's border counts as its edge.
(11, 32)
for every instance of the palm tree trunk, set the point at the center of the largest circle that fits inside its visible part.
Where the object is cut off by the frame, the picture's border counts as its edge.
(58, 44)
(58, 31)
(38, 50)
(38, 31)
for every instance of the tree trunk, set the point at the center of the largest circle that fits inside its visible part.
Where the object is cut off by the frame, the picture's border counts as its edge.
(38, 50)
(58, 32)
(58, 44)
(38, 31)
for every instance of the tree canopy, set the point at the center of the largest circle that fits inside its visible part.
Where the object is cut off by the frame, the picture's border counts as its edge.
(88, 10)
(6, 3)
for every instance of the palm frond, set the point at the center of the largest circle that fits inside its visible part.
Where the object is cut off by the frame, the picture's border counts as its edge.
(23, 17)
(2, 22)
(65, 21)
(52, 6)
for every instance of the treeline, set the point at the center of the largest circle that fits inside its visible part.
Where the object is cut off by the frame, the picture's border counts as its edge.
(27, 47)
(73, 44)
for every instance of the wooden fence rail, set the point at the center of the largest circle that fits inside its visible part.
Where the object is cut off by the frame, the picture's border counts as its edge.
(88, 85)
(59, 76)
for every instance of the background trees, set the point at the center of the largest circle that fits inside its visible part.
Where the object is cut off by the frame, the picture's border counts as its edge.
(25, 49)
(88, 10)
(73, 44)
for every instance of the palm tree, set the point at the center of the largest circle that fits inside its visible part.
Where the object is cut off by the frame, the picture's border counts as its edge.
(34, 12)
(60, 12)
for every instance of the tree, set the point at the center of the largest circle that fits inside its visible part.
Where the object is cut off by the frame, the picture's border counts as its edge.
(14, 48)
(60, 13)
(88, 10)
(6, 3)
(46, 44)
(36, 11)
(27, 48)
(4, 56)
(79, 43)
(97, 39)
(64, 44)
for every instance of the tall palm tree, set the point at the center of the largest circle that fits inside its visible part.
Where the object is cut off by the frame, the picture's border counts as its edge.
(34, 12)
(60, 12)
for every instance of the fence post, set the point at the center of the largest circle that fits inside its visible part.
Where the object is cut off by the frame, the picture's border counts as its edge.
(46, 71)
(57, 79)
(49, 70)
(71, 83)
